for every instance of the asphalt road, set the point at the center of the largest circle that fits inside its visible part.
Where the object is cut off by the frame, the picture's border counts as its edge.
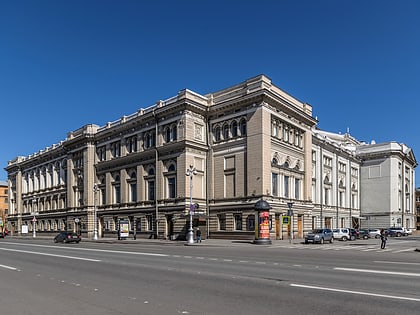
(40, 277)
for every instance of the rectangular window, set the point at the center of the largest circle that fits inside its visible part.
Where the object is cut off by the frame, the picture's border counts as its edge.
(297, 188)
(222, 222)
(326, 196)
(151, 190)
(117, 190)
(250, 223)
(286, 187)
(274, 184)
(133, 192)
(341, 198)
(171, 187)
(150, 223)
(230, 185)
(238, 222)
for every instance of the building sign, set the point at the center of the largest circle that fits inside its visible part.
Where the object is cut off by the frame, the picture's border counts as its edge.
(124, 228)
(24, 229)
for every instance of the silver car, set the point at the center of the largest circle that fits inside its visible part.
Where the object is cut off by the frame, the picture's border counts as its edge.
(319, 236)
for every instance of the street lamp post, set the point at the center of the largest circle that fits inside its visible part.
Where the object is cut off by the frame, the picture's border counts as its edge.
(34, 218)
(95, 227)
(191, 172)
(290, 213)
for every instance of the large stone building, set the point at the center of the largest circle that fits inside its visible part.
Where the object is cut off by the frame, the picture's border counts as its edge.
(248, 142)
(388, 184)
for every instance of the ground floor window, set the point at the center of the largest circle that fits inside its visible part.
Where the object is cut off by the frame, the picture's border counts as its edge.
(222, 221)
(238, 222)
(250, 223)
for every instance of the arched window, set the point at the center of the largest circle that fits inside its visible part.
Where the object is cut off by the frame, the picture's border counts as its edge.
(234, 129)
(174, 133)
(168, 134)
(242, 127)
(217, 134)
(147, 141)
(225, 131)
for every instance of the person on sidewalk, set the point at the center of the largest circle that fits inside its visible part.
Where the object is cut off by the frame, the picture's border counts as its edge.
(198, 235)
(383, 239)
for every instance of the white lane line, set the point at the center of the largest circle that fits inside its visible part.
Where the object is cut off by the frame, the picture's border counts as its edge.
(8, 267)
(409, 274)
(95, 250)
(395, 262)
(405, 250)
(355, 292)
(52, 255)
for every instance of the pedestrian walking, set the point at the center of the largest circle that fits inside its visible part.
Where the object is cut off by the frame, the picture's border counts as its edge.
(198, 235)
(383, 239)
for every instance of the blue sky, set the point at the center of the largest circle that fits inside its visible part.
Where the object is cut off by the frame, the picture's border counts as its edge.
(64, 64)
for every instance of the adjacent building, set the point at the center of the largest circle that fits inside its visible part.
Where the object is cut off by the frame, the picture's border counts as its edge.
(417, 226)
(248, 142)
(4, 204)
(388, 184)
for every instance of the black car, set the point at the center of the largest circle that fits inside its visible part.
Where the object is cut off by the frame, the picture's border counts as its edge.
(354, 234)
(364, 233)
(67, 237)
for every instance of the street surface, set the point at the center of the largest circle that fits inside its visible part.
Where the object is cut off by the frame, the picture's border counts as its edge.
(214, 277)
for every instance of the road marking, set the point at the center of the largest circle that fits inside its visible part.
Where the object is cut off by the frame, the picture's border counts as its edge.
(395, 262)
(8, 267)
(409, 274)
(356, 292)
(52, 255)
(95, 250)
(405, 250)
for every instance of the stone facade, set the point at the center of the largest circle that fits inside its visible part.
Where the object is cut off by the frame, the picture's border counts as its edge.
(248, 142)
(4, 204)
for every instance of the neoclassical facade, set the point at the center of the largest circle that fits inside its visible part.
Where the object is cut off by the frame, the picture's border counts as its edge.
(248, 142)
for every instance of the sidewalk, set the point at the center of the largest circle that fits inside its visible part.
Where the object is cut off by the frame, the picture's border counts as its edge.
(131, 240)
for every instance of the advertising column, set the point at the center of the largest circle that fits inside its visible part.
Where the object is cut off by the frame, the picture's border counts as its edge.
(262, 228)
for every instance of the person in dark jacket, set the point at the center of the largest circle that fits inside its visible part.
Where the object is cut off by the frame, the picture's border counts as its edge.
(198, 235)
(383, 239)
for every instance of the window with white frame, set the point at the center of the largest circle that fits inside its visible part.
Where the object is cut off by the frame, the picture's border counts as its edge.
(171, 181)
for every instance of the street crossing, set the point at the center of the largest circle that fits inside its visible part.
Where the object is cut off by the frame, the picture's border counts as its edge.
(347, 247)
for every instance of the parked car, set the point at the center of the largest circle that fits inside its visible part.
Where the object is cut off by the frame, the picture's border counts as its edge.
(354, 234)
(319, 236)
(341, 234)
(397, 231)
(364, 233)
(67, 237)
(376, 233)
(409, 231)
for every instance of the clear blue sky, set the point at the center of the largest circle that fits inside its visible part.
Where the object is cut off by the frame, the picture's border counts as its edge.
(64, 64)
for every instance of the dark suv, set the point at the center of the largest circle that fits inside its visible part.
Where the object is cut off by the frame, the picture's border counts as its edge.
(319, 236)
(397, 231)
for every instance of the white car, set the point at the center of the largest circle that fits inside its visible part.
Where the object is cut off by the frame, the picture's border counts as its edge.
(376, 233)
(341, 234)
(409, 231)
